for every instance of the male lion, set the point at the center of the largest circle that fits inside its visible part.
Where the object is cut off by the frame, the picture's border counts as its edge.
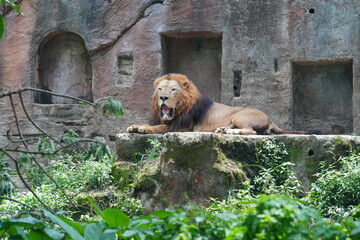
(178, 106)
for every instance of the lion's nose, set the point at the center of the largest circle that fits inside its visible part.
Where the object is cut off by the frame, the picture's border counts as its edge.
(163, 98)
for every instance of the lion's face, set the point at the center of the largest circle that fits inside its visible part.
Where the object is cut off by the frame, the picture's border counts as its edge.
(169, 97)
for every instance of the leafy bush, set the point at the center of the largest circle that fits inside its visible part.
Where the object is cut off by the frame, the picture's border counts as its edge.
(73, 173)
(234, 202)
(336, 192)
(78, 174)
(272, 218)
(275, 176)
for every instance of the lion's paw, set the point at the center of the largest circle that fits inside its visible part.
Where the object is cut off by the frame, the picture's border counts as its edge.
(221, 130)
(133, 129)
(144, 129)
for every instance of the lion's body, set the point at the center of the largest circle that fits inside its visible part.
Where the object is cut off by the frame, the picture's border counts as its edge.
(177, 105)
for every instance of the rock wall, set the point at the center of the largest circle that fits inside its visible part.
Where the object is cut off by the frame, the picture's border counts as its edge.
(257, 53)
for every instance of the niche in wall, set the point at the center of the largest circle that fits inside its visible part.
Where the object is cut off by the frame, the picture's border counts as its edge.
(64, 67)
(197, 55)
(323, 96)
(125, 71)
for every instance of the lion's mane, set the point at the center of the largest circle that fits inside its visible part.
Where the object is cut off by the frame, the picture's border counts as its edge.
(192, 109)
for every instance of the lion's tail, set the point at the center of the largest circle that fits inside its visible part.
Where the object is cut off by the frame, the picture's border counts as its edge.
(275, 129)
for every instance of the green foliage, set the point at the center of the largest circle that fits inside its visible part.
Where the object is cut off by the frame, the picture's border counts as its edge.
(129, 205)
(73, 173)
(69, 137)
(2, 26)
(271, 153)
(6, 185)
(46, 146)
(98, 150)
(3, 163)
(25, 158)
(271, 218)
(13, 5)
(276, 176)
(2, 20)
(286, 218)
(336, 192)
(151, 153)
(112, 106)
(234, 202)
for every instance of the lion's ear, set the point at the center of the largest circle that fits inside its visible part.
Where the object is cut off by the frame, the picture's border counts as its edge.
(185, 84)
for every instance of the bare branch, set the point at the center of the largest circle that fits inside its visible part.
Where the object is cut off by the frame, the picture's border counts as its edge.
(11, 139)
(51, 153)
(23, 180)
(17, 121)
(9, 93)
(13, 200)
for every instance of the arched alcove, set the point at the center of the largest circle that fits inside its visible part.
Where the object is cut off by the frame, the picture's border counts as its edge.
(64, 67)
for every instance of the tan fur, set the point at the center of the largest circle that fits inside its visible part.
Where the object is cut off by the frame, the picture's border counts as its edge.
(175, 96)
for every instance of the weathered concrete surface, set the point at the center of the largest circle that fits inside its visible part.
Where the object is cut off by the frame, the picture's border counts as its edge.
(188, 169)
(256, 43)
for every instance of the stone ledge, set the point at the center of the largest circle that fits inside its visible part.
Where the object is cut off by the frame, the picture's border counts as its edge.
(189, 162)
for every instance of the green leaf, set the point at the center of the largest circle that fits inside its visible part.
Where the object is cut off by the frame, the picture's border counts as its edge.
(162, 213)
(46, 145)
(14, 6)
(2, 26)
(25, 221)
(25, 158)
(18, 232)
(38, 235)
(70, 137)
(96, 207)
(53, 234)
(94, 231)
(66, 227)
(116, 218)
(79, 227)
(112, 106)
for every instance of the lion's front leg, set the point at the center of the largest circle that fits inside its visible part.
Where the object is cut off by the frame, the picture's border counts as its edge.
(147, 129)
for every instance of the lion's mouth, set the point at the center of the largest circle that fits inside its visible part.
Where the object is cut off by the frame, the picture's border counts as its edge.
(166, 112)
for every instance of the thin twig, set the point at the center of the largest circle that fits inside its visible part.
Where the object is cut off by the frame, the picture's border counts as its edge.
(23, 180)
(44, 91)
(17, 121)
(10, 138)
(14, 200)
(33, 123)
(50, 153)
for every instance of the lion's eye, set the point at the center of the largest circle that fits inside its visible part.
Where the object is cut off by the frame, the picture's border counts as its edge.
(159, 89)
(173, 90)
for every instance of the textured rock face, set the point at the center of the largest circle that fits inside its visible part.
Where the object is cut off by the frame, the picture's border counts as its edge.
(196, 166)
(246, 53)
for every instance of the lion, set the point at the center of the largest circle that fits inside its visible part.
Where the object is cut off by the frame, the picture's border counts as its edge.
(178, 106)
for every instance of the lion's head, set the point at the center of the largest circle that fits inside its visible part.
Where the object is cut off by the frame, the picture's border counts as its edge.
(174, 95)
